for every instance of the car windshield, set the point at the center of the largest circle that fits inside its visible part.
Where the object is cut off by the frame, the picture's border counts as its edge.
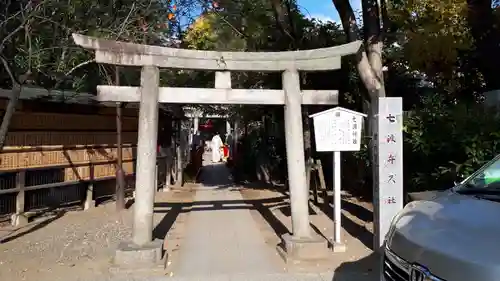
(486, 178)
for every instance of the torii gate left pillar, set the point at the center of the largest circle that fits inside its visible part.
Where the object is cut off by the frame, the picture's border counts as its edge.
(146, 147)
(302, 244)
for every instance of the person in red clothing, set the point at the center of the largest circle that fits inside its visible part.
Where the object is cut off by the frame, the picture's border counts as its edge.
(225, 152)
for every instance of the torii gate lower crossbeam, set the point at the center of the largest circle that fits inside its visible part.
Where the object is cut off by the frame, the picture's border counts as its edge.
(302, 244)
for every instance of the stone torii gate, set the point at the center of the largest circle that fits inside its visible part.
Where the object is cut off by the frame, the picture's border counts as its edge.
(142, 249)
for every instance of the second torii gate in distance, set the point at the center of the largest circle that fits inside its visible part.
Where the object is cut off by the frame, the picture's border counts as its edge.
(302, 244)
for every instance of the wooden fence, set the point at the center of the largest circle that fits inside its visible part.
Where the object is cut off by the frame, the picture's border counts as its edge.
(53, 156)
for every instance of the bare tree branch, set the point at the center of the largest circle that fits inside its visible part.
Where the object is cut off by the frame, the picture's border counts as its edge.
(7, 68)
(122, 28)
(24, 21)
(11, 106)
(16, 83)
(241, 33)
(71, 71)
(20, 12)
(7, 38)
(385, 16)
(78, 66)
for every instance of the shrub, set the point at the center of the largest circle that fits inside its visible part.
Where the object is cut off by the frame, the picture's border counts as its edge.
(445, 142)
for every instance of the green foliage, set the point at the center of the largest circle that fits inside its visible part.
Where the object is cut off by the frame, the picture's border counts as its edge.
(38, 38)
(434, 32)
(446, 141)
(447, 132)
(259, 147)
(201, 34)
(432, 39)
(443, 142)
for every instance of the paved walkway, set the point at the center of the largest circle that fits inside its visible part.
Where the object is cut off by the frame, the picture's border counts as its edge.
(222, 237)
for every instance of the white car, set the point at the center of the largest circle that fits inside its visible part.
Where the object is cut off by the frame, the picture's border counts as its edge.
(453, 235)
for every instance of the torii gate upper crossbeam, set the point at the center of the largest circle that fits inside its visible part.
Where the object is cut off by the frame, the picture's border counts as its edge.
(123, 53)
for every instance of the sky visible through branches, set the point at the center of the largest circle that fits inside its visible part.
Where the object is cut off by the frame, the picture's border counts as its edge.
(324, 10)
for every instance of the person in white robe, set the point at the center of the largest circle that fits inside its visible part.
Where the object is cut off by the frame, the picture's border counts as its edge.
(216, 145)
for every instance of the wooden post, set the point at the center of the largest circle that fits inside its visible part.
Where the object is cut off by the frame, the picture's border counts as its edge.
(308, 174)
(173, 140)
(19, 218)
(120, 175)
(235, 137)
(168, 155)
(179, 152)
(179, 166)
(315, 186)
(310, 171)
(89, 196)
(322, 182)
(156, 175)
(170, 158)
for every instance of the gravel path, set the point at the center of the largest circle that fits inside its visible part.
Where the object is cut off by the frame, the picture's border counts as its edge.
(76, 245)
(77, 240)
(327, 276)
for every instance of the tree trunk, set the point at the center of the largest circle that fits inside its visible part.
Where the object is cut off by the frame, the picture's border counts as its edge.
(9, 112)
(373, 42)
(369, 65)
(371, 75)
(280, 16)
(373, 45)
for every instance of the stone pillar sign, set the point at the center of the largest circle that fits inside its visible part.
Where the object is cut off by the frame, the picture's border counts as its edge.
(388, 193)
